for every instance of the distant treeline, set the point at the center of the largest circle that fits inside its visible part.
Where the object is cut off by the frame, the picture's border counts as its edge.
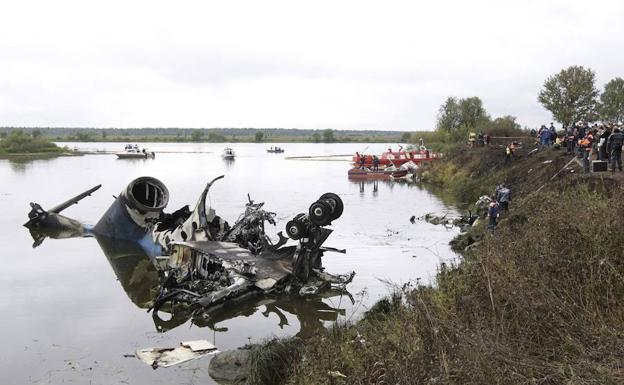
(209, 134)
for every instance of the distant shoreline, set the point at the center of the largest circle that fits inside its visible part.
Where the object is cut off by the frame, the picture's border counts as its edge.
(212, 135)
(173, 140)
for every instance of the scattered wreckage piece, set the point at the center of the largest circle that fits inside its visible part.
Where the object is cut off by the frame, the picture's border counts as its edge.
(166, 357)
(463, 222)
(503, 194)
(51, 223)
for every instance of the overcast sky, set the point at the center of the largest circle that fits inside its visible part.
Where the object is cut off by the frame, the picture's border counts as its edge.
(315, 64)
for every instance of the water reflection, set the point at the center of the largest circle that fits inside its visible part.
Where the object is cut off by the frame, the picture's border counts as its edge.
(141, 282)
(311, 312)
(229, 163)
(372, 185)
(134, 270)
(22, 164)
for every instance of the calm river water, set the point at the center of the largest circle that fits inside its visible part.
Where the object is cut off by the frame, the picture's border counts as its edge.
(70, 316)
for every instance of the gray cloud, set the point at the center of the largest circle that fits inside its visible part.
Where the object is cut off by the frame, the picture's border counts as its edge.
(348, 64)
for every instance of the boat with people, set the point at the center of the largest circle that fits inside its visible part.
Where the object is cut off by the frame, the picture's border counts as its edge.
(418, 154)
(228, 154)
(275, 150)
(134, 152)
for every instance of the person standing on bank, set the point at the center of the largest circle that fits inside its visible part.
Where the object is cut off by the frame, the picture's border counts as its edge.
(503, 196)
(570, 141)
(585, 145)
(492, 214)
(614, 146)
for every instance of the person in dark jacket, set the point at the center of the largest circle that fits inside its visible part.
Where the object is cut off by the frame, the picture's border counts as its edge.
(614, 146)
(571, 140)
(553, 133)
(503, 196)
(602, 143)
(545, 136)
(375, 163)
(480, 139)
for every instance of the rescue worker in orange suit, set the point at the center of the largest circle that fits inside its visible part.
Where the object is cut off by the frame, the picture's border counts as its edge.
(509, 152)
(614, 146)
(586, 146)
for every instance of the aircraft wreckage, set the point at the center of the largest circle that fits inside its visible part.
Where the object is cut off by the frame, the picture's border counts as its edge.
(201, 260)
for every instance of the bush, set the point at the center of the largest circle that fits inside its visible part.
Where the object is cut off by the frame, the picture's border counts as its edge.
(19, 142)
(271, 360)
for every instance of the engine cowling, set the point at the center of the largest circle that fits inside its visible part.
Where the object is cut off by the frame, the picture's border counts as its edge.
(134, 211)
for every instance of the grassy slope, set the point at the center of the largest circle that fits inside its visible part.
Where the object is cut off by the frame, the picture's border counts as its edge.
(538, 302)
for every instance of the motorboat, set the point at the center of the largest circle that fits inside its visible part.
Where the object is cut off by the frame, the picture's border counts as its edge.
(134, 152)
(367, 173)
(228, 154)
(275, 150)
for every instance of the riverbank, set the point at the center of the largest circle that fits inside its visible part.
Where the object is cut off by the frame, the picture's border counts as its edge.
(539, 300)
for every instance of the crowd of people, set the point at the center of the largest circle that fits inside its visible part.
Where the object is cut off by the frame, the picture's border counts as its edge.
(601, 142)
(478, 139)
(598, 142)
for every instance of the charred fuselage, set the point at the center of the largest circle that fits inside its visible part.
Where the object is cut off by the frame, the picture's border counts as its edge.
(202, 260)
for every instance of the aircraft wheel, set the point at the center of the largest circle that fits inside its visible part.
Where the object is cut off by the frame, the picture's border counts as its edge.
(335, 202)
(320, 213)
(295, 230)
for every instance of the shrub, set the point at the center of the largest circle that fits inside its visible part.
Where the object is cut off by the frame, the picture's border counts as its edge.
(19, 142)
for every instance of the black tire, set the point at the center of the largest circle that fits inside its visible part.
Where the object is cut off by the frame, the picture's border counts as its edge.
(295, 230)
(320, 213)
(336, 203)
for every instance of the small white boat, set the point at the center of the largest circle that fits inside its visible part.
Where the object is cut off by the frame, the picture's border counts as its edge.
(133, 152)
(275, 150)
(228, 153)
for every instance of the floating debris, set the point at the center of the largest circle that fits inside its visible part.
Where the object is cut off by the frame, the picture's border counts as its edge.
(166, 357)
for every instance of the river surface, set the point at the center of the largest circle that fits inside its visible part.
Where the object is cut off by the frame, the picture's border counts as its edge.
(70, 315)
